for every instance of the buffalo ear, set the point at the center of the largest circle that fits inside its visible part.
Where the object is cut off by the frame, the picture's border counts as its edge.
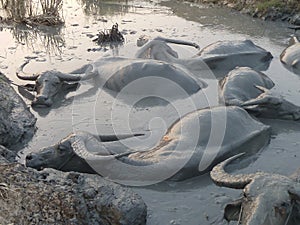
(26, 94)
(30, 87)
(232, 210)
(70, 86)
(294, 194)
(261, 88)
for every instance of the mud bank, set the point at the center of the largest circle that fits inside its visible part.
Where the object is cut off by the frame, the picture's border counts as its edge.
(266, 10)
(53, 197)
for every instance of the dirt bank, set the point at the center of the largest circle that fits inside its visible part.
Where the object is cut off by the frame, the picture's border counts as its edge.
(265, 9)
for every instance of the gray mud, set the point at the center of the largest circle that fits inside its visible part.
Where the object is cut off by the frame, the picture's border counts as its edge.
(190, 202)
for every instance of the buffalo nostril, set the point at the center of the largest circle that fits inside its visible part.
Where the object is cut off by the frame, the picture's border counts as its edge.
(42, 101)
(29, 157)
(42, 98)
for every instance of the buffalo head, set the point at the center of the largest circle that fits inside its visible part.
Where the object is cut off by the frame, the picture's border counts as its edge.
(53, 156)
(268, 199)
(47, 85)
(271, 105)
(67, 154)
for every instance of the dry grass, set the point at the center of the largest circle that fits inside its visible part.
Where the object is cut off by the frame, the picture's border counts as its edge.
(46, 12)
(286, 6)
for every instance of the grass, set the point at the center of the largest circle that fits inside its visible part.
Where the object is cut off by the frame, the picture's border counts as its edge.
(46, 12)
(261, 5)
(265, 5)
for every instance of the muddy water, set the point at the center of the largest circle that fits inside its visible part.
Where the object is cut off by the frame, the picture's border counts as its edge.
(194, 201)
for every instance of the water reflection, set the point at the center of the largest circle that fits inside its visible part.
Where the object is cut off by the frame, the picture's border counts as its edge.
(104, 7)
(50, 38)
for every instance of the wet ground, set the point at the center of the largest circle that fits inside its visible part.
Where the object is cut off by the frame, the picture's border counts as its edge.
(194, 201)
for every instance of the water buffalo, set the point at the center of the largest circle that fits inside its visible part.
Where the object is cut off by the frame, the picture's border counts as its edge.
(191, 146)
(268, 199)
(251, 90)
(290, 56)
(239, 85)
(270, 104)
(159, 50)
(115, 73)
(48, 84)
(140, 76)
(226, 55)
(221, 56)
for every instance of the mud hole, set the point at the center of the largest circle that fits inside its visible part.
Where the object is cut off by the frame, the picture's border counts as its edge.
(190, 202)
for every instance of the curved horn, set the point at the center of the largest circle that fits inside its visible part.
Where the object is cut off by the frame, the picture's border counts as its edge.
(294, 39)
(24, 77)
(261, 99)
(70, 77)
(224, 179)
(295, 28)
(179, 42)
(261, 88)
(79, 147)
(257, 101)
(108, 138)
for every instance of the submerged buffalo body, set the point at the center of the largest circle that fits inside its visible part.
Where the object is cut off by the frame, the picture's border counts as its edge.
(221, 56)
(252, 90)
(269, 199)
(191, 146)
(143, 76)
(290, 57)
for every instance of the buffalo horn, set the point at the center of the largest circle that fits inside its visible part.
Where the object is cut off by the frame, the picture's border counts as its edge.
(69, 77)
(224, 179)
(25, 77)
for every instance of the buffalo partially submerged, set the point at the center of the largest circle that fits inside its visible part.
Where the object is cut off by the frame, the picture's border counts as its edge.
(239, 85)
(226, 55)
(251, 90)
(48, 85)
(221, 56)
(268, 199)
(135, 76)
(117, 73)
(290, 57)
(64, 155)
(159, 50)
(191, 146)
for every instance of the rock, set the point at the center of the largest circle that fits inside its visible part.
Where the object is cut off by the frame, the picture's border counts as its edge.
(295, 20)
(6, 156)
(17, 123)
(53, 197)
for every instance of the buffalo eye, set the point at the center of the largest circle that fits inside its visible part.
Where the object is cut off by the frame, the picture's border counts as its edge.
(282, 209)
(61, 148)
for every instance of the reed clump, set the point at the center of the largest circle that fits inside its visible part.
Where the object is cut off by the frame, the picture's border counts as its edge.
(33, 12)
(109, 36)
